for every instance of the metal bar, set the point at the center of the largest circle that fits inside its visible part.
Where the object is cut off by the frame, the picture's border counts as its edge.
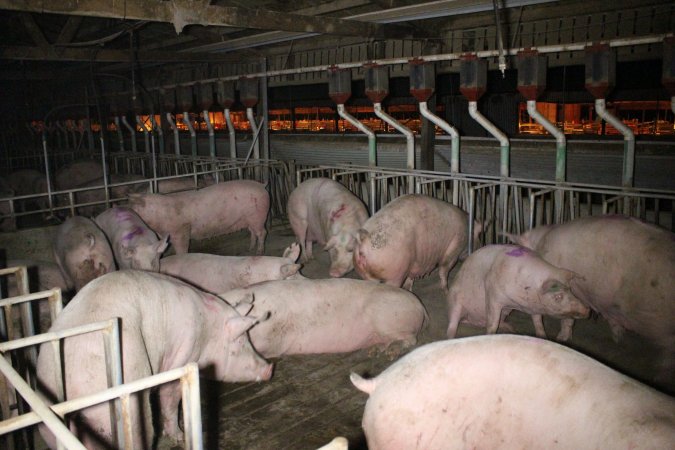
(144, 129)
(55, 425)
(176, 137)
(193, 134)
(212, 134)
(132, 133)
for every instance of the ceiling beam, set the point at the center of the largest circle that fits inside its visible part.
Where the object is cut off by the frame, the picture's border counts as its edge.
(198, 12)
(101, 55)
(69, 30)
(34, 31)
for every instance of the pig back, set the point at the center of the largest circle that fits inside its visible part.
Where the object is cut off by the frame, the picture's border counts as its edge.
(447, 395)
(628, 270)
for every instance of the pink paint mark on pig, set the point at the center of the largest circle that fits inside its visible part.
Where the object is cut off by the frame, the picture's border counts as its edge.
(338, 212)
(518, 252)
(137, 231)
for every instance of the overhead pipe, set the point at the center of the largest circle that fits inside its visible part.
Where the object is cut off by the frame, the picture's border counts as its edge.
(144, 129)
(628, 141)
(185, 102)
(160, 132)
(205, 102)
(176, 136)
(555, 48)
(193, 133)
(497, 134)
(120, 136)
(561, 141)
(422, 85)
(372, 150)
(377, 88)
(225, 96)
(132, 133)
(248, 93)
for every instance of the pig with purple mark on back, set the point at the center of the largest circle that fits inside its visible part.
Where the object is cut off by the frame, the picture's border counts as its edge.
(82, 251)
(628, 270)
(510, 392)
(497, 279)
(165, 324)
(216, 274)
(324, 211)
(134, 244)
(212, 211)
(409, 237)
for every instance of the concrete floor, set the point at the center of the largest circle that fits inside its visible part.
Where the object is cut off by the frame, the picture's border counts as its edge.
(310, 399)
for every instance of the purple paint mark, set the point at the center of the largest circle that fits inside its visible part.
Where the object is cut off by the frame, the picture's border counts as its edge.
(338, 212)
(123, 215)
(137, 231)
(518, 251)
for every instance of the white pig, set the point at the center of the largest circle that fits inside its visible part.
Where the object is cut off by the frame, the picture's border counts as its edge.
(82, 251)
(324, 211)
(215, 273)
(497, 279)
(510, 392)
(330, 316)
(409, 238)
(134, 244)
(215, 210)
(165, 324)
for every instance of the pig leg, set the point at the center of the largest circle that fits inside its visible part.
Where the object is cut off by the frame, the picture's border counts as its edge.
(181, 239)
(444, 268)
(259, 237)
(538, 322)
(454, 316)
(169, 398)
(565, 330)
(494, 311)
(408, 284)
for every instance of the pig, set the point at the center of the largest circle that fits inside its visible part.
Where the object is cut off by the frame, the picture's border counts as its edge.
(165, 324)
(215, 210)
(330, 316)
(628, 270)
(510, 392)
(29, 182)
(410, 237)
(499, 278)
(134, 245)
(324, 211)
(98, 195)
(77, 173)
(82, 251)
(42, 275)
(215, 273)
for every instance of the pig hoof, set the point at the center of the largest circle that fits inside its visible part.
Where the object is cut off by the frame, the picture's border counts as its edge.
(563, 336)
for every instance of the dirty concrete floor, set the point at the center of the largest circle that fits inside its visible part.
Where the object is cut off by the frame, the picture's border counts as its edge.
(310, 399)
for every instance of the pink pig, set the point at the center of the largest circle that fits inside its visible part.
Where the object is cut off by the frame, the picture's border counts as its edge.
(410, 237)
(134, 245)
(330, 316)
(510, 392)
(628, 270)
(165, 324)
(324, 211)
(82, 251)
(499, 278)
(215, 210)
(216, 274)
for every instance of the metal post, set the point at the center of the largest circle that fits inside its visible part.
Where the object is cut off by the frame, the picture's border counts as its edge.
(193, 134)
(132, 133)
(409, 137)
(212, 134)
(176, 137)
(146, 137)
(233, 137)
(120, 136)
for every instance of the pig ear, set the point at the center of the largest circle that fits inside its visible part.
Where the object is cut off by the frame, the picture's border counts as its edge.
(91, 240)
(288, 270)
(244, 304)
(136, 199)
(570, 275)
(236, 326)
(332, 242)
(362, 235)
(552, 285)
(292, 252)
(162, 244)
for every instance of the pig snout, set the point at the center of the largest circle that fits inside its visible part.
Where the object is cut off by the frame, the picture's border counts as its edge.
(341, 266)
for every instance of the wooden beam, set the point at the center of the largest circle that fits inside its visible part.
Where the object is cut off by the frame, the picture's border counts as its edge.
(198, 12)
(69, 30)
(102, 55)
